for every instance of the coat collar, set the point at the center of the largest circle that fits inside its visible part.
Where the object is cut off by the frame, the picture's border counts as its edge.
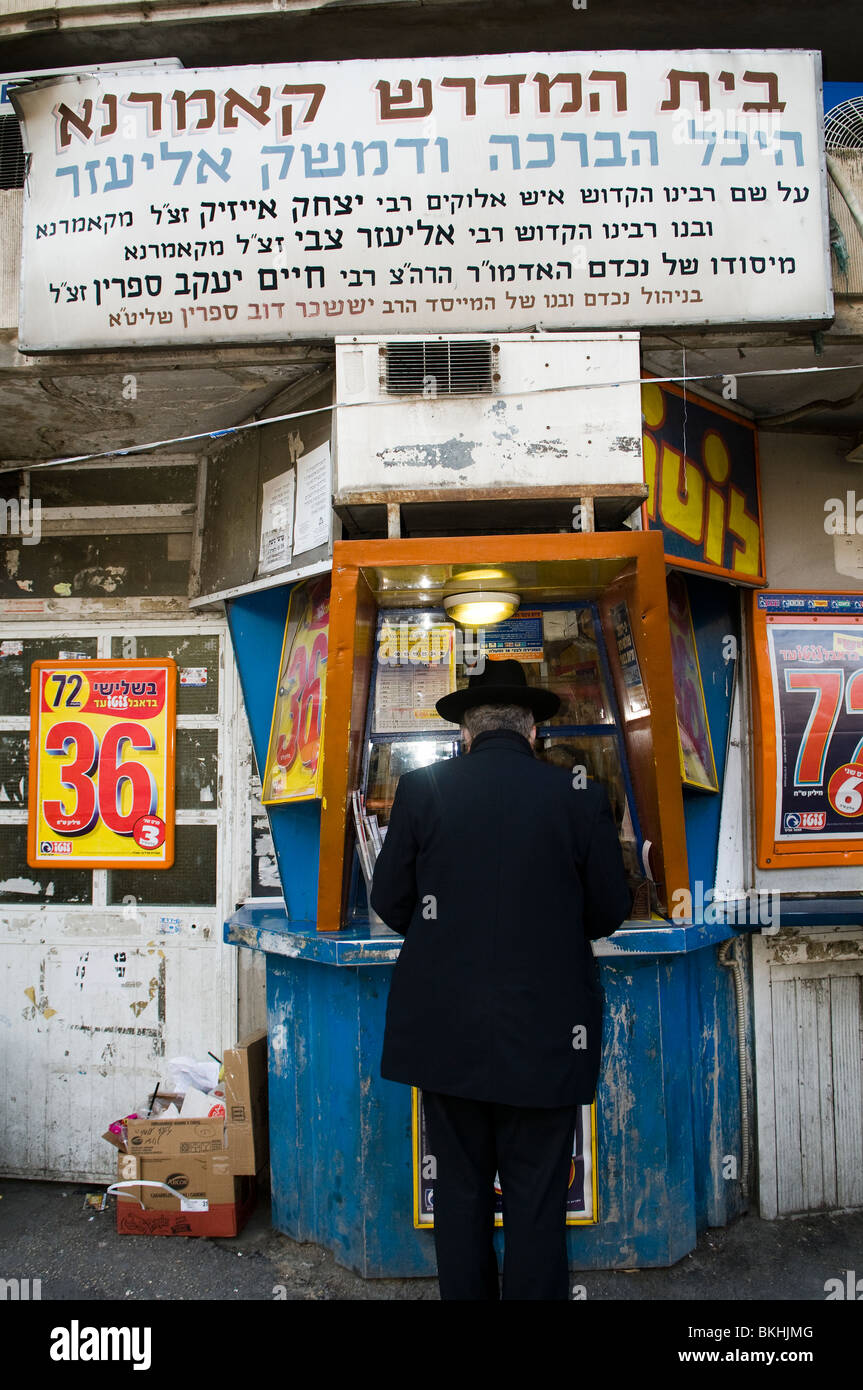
(498, 740)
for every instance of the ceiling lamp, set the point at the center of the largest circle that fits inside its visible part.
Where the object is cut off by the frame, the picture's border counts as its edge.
(481, 597)
(481, 609)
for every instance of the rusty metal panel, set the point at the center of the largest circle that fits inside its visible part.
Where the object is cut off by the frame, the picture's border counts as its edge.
(235, 479)
(95, 566)
(229, 553)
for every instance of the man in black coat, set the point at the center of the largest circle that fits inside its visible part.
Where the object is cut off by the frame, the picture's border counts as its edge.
(499, 869)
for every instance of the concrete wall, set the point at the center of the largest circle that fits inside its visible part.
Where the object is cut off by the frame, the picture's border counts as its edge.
(799, 473)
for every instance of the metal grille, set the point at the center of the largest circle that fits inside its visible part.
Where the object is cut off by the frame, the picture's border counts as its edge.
(439, 368)
(11, 153)
(843, 126)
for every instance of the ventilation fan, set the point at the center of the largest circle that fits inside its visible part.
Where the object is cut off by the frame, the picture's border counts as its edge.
(843, 126)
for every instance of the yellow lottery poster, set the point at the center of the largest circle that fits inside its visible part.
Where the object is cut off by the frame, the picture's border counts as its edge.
(295, 761)
(102, 749)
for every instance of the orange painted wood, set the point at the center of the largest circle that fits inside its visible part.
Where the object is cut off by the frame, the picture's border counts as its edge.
(652, 745)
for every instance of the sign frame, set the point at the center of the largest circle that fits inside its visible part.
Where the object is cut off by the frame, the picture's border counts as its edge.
(493, 142)
(424, 1222)
(166, 794)
(804, 851)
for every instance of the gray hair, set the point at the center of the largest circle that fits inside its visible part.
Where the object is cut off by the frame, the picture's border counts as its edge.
(483, 718)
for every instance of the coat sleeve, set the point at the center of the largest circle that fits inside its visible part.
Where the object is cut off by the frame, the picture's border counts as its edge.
(607, 898)
(394, 890)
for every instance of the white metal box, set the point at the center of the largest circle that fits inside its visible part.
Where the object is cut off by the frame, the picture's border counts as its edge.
(470, 411)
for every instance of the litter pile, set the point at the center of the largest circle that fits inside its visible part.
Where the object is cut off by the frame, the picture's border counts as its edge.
(188, 1159)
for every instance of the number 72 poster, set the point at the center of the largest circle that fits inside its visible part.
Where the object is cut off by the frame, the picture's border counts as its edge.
(809, 723)
(102, 753)
(295, 762)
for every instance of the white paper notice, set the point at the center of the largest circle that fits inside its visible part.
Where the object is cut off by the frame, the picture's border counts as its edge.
(277, 520)
(314, 506)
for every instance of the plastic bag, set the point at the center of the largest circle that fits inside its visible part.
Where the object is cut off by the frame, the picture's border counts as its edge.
(188, 1074)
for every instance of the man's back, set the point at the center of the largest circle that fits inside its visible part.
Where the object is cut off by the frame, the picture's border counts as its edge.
(498, 869)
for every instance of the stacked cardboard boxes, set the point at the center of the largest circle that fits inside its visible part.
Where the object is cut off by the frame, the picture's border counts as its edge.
(207, 1167)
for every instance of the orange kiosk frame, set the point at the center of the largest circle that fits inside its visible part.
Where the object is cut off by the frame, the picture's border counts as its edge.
(608, 567)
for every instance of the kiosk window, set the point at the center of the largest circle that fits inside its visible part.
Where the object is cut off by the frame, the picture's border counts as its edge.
(387, 762)
(403, 732)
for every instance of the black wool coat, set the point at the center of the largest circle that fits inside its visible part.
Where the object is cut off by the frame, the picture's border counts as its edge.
(498, 871)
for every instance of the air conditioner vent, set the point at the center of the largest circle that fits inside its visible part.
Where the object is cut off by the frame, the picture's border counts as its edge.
(439, 367)
(12, 158)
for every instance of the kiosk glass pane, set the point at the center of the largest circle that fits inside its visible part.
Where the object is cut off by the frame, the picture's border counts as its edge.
(569, 658)
(387, 762)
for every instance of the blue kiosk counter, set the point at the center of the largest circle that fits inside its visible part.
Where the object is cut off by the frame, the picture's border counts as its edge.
(659, 1156)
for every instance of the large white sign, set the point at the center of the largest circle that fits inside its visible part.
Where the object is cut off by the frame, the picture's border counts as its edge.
(564, 190)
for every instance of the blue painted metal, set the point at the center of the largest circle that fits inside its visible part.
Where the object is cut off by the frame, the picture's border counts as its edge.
(822, 912)
(257, 626)
(667, 1107)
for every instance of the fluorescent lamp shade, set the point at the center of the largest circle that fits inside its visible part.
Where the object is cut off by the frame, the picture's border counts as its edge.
(481, 608)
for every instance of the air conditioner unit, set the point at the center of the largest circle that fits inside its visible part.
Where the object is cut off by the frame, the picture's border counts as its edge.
(443, 413)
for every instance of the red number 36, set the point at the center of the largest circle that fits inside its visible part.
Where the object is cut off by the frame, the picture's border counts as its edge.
(96, 775)
(304, 682)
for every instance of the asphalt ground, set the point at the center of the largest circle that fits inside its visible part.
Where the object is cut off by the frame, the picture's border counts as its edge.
(754, 1292)
(48, 1233)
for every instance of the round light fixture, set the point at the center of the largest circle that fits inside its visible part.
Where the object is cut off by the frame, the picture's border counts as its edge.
(501, 579)
(481, 607)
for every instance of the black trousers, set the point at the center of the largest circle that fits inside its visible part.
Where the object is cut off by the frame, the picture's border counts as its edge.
(531, 1149)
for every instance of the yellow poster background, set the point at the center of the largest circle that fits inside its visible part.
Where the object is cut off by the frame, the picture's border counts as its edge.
(295, 756)
(102, 764)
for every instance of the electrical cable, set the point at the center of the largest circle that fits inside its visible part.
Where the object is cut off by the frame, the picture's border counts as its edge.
(398, 401)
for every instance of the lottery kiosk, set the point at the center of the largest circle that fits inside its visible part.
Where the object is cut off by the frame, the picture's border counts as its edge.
(340, 674)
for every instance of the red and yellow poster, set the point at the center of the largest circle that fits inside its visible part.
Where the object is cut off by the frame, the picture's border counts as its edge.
(295, 763)
(102, 748)
(808, 685)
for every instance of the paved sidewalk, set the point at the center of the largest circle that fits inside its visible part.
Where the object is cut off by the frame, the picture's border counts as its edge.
(46, 1233)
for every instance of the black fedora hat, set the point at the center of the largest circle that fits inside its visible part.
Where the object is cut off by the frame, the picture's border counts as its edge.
(499, 683)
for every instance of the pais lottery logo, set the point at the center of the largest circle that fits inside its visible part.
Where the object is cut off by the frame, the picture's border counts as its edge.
(55, 847)
(805, 820)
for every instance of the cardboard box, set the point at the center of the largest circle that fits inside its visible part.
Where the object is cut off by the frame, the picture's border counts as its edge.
(205, 1198)
(245, 1088)
(243, 1135)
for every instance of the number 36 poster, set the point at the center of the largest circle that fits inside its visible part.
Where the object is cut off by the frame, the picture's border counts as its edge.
(102, 764)
(809, 673)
